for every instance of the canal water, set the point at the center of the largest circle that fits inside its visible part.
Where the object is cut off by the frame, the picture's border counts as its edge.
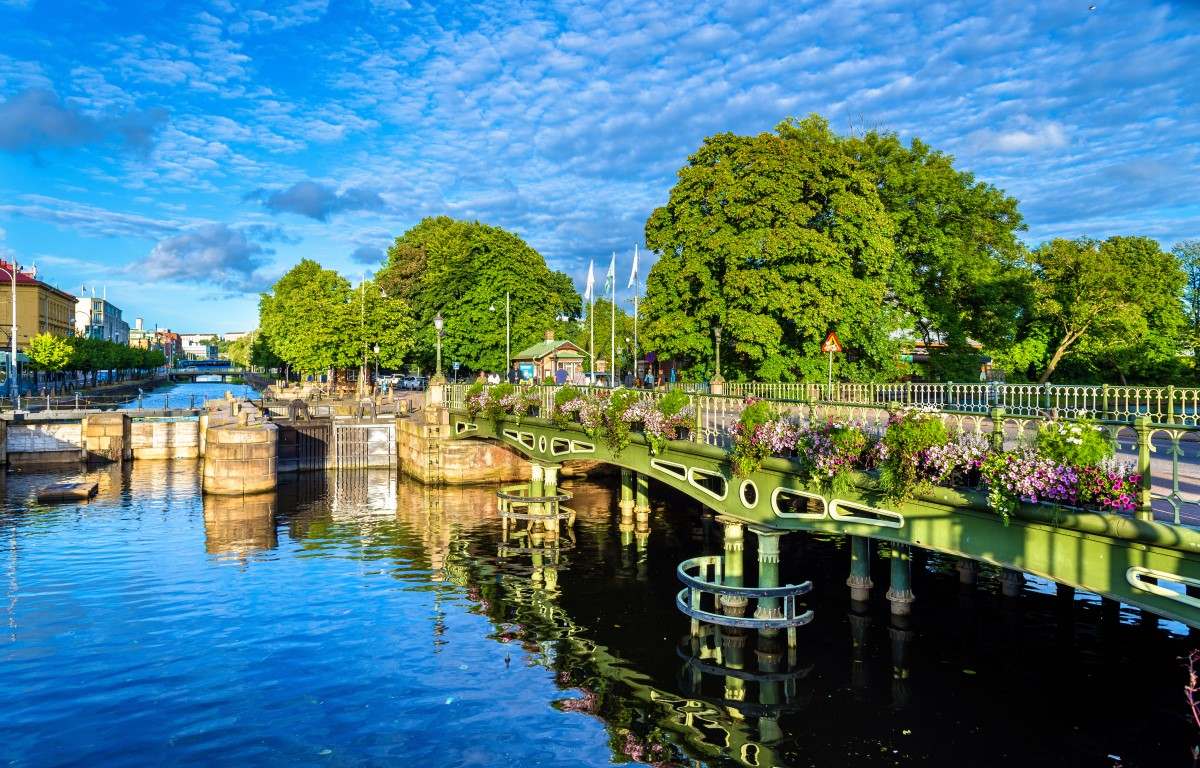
(360, 619)
(187, 394)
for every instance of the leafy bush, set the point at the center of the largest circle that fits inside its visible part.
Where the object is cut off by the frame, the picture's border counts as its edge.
(476, 399)
(673, 402)
(759, 433)
(560, 416)
(909, 434)
(830, 452)
(502, 398)
(616, 428)
(1078, 443)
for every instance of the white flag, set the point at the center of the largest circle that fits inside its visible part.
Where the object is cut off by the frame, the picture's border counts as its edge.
(610, 280)
(633, 275)
(591, 281)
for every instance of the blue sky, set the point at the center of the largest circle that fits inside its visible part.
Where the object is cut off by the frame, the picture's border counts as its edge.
(186, 154)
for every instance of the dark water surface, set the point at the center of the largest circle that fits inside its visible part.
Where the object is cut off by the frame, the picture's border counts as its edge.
(356, 619)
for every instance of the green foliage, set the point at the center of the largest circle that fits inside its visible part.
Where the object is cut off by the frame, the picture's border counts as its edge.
(957, 274)
(1187, 253)
(747, 455)
(1115, 305)
(778, 238)
(563, 396)
(462, 270)
(581, 332)
(673, 402)
(616, 429)
(908, 434)
(495, 409)
(47, 352)
(1077, 443)
(315, 320)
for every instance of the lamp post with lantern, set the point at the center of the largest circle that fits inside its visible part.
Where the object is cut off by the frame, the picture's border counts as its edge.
(717, 385)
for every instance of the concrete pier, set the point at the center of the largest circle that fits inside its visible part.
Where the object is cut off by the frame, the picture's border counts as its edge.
(241, 459)
(106, 437)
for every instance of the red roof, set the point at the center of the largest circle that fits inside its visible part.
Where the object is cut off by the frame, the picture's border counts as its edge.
(26, 279)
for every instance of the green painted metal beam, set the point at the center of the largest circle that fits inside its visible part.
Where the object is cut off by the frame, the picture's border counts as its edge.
(1119, 557)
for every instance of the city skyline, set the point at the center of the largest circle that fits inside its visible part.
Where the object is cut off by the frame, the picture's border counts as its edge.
(180, 157)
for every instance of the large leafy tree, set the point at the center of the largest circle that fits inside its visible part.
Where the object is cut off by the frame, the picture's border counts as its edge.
(463, 270)
(958, 274)
(1114, 306)
(315, 320)
(1188, 254)
(778, 238)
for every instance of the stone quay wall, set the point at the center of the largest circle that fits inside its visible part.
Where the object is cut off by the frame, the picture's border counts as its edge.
(241, 459)
(424, 455)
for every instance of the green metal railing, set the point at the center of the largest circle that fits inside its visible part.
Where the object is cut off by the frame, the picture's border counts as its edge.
(1158, 447)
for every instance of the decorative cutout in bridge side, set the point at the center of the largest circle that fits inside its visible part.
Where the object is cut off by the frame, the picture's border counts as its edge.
(578, 446)
(712, 483)
(526, 439)
(465, 426)
(559, 446)
(542, 443)
(670, 467)
(751, 501)
(849, 512)
(778, 501)
(1136, 576)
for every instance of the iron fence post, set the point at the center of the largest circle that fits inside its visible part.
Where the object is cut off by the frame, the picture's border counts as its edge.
(997, 414)
(1141, 426)
(1104, 401)
(1170, 403)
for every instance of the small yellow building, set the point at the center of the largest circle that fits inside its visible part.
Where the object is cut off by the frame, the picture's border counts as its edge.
(41, 308)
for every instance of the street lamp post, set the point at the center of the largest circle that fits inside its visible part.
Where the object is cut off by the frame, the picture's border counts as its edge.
(14, 392)
(376, 350)
(439, 324)
(507, 331)
(717, 345)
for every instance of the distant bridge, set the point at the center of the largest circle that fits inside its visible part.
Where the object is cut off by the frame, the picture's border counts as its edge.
(191, 369)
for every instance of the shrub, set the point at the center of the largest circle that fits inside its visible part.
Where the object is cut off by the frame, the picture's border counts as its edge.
(476, 399)
(1078, 443)
(501, 400)
(759, 433)
(909, 434)
(673, 402)
(830, 452)
(616, 428)
(562, 416)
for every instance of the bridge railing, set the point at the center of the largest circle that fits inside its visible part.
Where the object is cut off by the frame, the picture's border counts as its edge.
(778, 604)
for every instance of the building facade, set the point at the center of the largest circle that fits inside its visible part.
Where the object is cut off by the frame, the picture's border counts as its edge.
(98, 318)
(198, 345)
(547, 358)
(41, 308)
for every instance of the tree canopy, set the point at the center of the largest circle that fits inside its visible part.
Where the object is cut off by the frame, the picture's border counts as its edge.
(463, 270)
(314, 320)
(48, 352)
(958, 275)
(1111, 306)
(778, 238)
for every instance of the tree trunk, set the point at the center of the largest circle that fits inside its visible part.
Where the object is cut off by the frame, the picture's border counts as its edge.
(1067, 340)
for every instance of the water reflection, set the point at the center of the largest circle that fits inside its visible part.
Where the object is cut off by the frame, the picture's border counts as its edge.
(371, 617)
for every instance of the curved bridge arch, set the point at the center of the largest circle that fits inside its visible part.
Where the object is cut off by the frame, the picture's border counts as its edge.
(1147, 564)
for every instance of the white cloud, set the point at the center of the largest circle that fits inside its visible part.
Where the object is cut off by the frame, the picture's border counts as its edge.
(1045, 137)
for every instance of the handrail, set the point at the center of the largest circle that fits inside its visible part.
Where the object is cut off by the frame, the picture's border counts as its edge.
(788, 590)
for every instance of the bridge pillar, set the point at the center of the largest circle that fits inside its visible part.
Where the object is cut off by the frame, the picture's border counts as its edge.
(733, 652)
(860, 667)
(1011, 582)
(768, 575)
(641, 506)
(968, 571)
(859, 580)
(901, 636)
(900, 593)
(627, 506)
(731, 567)
(770, 658)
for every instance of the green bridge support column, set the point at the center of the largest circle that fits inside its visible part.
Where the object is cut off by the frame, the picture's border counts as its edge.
(859, 580)
(626, 504)
(550, 488)
(768, 575)
(731, 566)
(769, 656)
(900, 593)
(733, 651)
(641, 509)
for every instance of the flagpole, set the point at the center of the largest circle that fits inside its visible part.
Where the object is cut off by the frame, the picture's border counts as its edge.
(636, 290)
(612, 326)
(592, 335)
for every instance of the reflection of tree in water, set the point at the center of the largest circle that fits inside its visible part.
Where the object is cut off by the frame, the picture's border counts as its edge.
(454, 535)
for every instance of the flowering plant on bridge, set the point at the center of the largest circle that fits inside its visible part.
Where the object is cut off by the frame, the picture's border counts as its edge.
(477, 399)
(910, 433)
(657, 425)
(956, 462)
(759, 433)
(830, 452)
(1025, 476)
(1079, 443)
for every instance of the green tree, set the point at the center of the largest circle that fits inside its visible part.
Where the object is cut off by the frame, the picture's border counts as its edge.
(238, 350)
(47, 352)
(315, 320)
(463, 270)
(580, 331)
(778, 238)
(1188, 254)
(1117, 304)
(958, 274)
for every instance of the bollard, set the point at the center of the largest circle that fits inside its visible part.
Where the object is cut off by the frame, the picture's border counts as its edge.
(166, 402)
(1141, 426)
(77, 401)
